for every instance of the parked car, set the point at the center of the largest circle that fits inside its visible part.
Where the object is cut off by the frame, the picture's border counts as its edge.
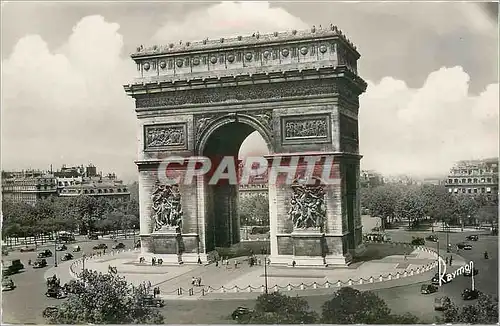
(241, 312)
(28, 249)
(67, 256)
(100, 246)
(469, 272)
(428, 288)
(432, 238)
(40, 263)
(118, 246)
(61, 248)
(76, 248)
(442, 303)
(12, 267)
(469, 294)
(472, 238)
(44, 254)
(93, 237)
(57, 293)
(468, 247)
(7, 284)
(435, 280)
(151, 301)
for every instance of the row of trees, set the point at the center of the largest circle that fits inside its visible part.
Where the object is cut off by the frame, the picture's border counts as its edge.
(110, 299)
(393, 202)
(83, 213)
(351, 306)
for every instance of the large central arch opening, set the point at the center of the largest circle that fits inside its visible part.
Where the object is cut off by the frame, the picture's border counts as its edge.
(237, 140)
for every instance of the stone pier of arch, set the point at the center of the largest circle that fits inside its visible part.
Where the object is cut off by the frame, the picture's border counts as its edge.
(206, 98)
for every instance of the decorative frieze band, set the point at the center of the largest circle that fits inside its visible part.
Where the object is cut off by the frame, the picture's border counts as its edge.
(270, 91)
(171, 136)
(306, 129)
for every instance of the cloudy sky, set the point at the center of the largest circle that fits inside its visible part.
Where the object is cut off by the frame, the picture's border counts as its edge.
(432, 71)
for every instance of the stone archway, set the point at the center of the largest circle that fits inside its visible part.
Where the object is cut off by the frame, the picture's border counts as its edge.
(299, 90)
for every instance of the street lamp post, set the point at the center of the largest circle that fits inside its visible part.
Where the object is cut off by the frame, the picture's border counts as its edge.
(55, 252)
(447, 238)
(439, 264)
(265, 269)
(83, 262)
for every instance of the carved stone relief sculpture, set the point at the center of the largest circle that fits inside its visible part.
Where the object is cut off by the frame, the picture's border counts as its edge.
(305, 128)
(308, 208)
(167, 208)
(164, 136)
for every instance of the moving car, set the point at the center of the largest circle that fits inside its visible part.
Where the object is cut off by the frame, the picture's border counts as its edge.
(67, 256)
(468, 247)
(12, 267)
(118, 246)
(93, 237)
(241, 312)
(472, 237)
(44, 254)
(76, 248)
(442, 303)
(461, 245)
(432, 238)
(435, 280)
(469, 272)
(100, 246)
(7, 284)
(151, 301)
(56, 293)
(418, 241)
(61, 248)
(40, 263)
(469, 294)
(28, 249)
(428, 288)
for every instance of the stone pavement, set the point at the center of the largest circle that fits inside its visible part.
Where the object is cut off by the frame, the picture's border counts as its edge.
(245, 281)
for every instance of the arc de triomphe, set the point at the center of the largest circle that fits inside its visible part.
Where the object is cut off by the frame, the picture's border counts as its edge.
(299, 90)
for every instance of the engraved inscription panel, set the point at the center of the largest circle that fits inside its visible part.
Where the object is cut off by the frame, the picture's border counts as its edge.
(165, 136)
(306, 129)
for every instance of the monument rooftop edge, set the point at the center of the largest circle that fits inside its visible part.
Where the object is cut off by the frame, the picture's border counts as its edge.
(272, 56)
(255, 40)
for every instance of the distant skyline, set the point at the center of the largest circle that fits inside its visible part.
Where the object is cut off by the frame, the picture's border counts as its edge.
(431, 68)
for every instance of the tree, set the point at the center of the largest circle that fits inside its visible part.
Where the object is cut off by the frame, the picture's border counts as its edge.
(488, 214)
(411, 205)
(105, 299)
(254, 210)
(351, 306)
(484, 311)
(277, 308)
(381, 202)
(438, 202)
(464, 207)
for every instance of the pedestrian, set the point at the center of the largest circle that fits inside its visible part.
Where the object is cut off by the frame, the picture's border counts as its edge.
(293, 263)
(235, 264)
(193, 280)
(216, 263)
(405, 255)
(451, 259)
(29, 262)
(446, 261)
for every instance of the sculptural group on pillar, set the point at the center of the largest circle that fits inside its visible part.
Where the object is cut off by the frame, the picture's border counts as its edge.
(167, 207)
(308, 208)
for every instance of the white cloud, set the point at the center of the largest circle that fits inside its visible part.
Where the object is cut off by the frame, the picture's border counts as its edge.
(68, 106)
(425, 130)
(228, 19)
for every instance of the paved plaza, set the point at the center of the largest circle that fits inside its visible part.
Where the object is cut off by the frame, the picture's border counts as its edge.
(219, 279)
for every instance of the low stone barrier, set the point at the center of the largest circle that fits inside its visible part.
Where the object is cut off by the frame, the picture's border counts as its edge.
(204, 290)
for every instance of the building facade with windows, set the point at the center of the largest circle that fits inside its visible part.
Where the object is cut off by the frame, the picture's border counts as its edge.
(28, 186)
(474, 177)
(31, 186)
